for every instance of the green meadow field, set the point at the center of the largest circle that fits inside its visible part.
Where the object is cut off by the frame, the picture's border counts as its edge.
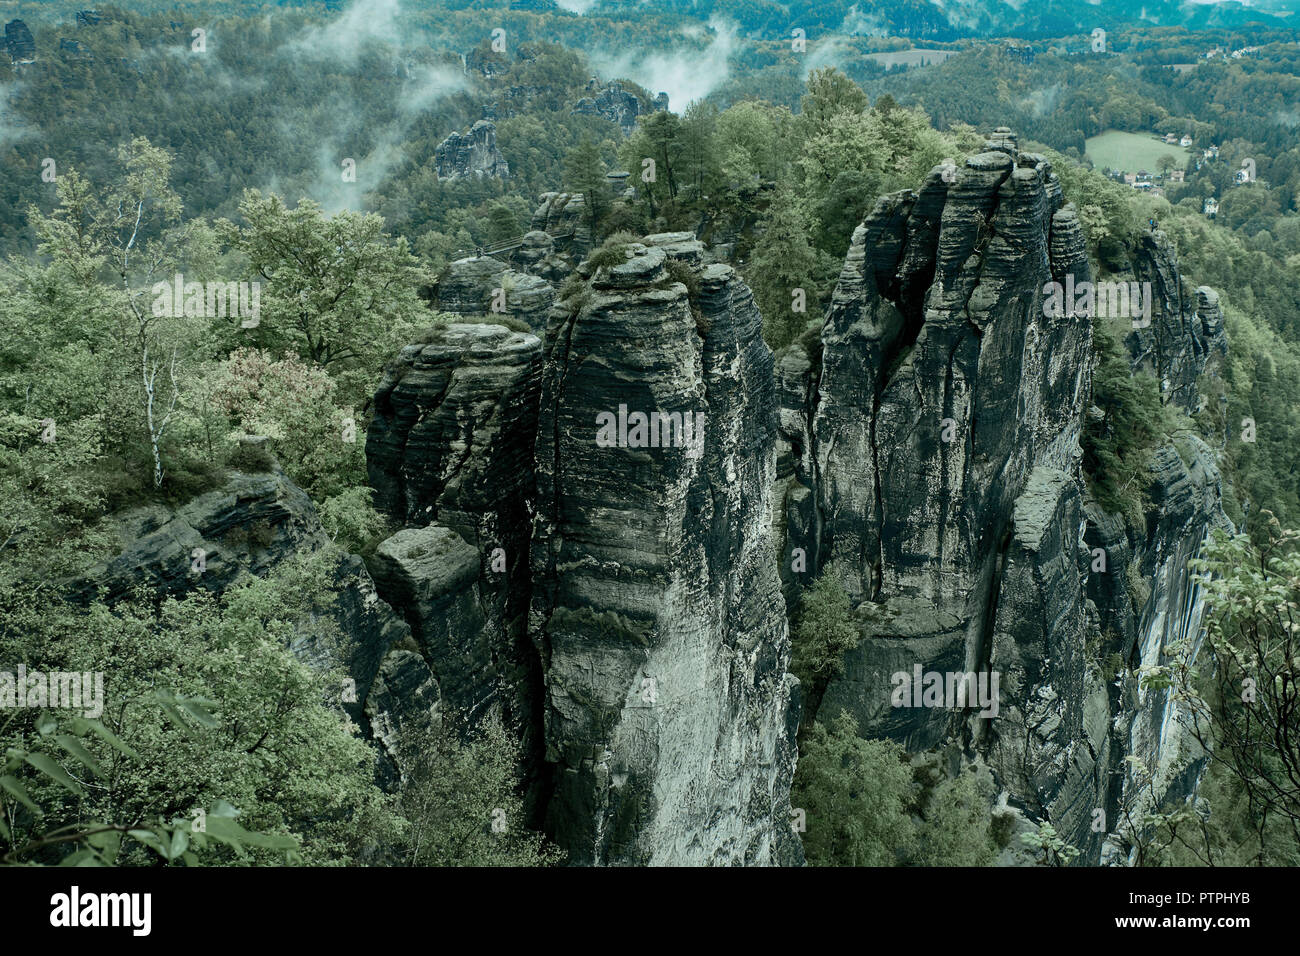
(1131, 152)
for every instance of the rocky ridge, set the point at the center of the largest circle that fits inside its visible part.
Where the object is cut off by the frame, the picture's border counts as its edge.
(931, 458)
(656, 603)
(473, 153)
(616, 104)
(616, 589)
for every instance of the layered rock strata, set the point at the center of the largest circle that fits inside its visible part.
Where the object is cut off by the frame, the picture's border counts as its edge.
(930, 458)
(256, 521)
(656, 603)
(450, 455)
(486, 289)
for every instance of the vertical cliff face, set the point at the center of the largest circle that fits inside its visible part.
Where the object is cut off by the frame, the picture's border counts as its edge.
(450, 454)
(937, 331)
(622, 472)
(931, 457)
(657, 606)
(473, 153)
(943, 387)
(1186, 332)
(657, 486)
(1159, 613)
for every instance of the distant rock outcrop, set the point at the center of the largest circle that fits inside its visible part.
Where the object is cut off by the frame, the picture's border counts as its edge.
(471, 154)
(617, 104)
(563, 217)
(75, 49)
(19, 43)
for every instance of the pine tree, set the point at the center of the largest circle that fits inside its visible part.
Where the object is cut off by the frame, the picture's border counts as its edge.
(502, 224)
(783, 270)
(584, 172)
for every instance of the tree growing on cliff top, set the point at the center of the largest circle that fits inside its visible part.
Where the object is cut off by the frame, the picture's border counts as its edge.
(584, 172)
(339, 291)
(658, 137)
(783, 271)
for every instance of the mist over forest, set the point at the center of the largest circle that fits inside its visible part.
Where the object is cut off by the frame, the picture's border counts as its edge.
(565, 433)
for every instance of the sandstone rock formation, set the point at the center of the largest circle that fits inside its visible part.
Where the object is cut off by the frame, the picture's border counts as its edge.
(355, 630)
(471, 154)
(75, 49)
(616, 104)
(484, 287)
(930, 458)
(250, 524)
(1186, 332)
(450, 454)
(618, 588)
(432, 574)
(534, 248)
(453, 429)
(653, 666)
(563, 217)
(254, 522)
(405, 698)
(19, 43)
(656, 603)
